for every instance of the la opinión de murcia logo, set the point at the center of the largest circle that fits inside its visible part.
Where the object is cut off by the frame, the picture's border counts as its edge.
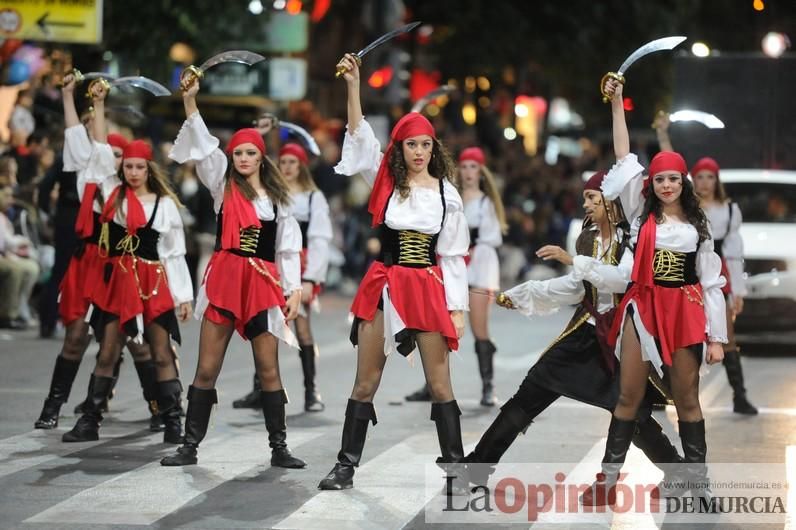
(511, 496)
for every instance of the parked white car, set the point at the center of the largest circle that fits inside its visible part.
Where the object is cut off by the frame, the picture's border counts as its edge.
(767, 199)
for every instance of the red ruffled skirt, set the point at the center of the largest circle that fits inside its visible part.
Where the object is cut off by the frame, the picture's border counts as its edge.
(418, 296)
(725, 271)
(133, 287)
(241, 289)
(82, 275)
(673, 316)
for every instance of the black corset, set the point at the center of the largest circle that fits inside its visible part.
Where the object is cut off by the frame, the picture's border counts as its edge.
(473, 235)
(717, 247)
(407, 248)
(254, 242)
(674, 269)
(304, 226)
(143, 244)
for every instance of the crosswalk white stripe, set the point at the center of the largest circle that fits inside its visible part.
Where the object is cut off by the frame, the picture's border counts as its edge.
(389, 491)
(151, 492)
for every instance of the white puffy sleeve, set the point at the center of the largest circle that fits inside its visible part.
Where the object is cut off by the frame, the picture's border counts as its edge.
(194, 142)
(489, 232)
(733, 252)
(361, 153)
(100, 169)
(77, 148)
(319, 236)
(288, 250)
(452, 246)
(708, 268)
(625, 180)
(604, 277)
(171, 251)
(537, 298)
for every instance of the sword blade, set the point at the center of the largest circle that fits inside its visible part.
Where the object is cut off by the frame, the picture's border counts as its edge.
(710, 121)
(666, 43)
(387, 36)
(143, 83)
(421, 103)
(97, 75)
(232, 56)
(306, 136)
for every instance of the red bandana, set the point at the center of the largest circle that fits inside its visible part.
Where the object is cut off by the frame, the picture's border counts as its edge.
(136, 218)
(705, 164)
(473, 153)
(413, 124)
(295, 150)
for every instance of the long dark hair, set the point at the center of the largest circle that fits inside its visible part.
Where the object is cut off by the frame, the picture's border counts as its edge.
(690, 204)
(440, 166)
(270, 177)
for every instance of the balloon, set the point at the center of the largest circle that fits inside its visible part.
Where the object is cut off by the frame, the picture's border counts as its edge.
(33, 56)
(9, 47)
(18, 72)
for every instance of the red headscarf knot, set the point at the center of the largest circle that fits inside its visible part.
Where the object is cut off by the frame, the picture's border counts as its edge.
(413, 124)
(117, 140)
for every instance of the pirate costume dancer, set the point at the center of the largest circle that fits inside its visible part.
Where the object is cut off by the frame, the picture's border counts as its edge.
(579, 364)
(424, 239)
(252, 277)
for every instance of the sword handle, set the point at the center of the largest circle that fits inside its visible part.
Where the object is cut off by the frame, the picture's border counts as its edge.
(78, 75)
(504, 301)
(101, 81)
(606, 77)
(342, 69)
(189, 76)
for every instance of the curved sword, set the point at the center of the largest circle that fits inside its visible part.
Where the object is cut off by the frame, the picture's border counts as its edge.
(421, 103)
(306, 136)
(710, 121)
(378, 42)
(143, 83)
(665, 43)
(192, 73)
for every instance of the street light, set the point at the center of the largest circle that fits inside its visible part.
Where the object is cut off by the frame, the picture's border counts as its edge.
(255, 7)
(775, 44)
(700, 49)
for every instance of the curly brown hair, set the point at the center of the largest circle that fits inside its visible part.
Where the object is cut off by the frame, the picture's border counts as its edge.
(690, 203)
(441, 166)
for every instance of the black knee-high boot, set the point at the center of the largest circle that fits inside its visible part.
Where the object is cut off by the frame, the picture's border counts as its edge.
(61, 384)
(200, 405)
(446, 416)
(273, 404)
(485, 350)
(250, 400)
(312, 399)
(603, 490)
(355, 429)
(87, 427)
(695, 450)
(147, 375)
(169, 397)
(111, 391)
(510, 422)
(732, 364)
(650, 438)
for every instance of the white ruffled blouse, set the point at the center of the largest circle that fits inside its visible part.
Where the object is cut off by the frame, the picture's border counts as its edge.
(422, 211)
(312, 206)
(194, 142)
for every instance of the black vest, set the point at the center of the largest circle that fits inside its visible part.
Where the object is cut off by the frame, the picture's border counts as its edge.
(143, 244)
(254, 242)
(409, 248)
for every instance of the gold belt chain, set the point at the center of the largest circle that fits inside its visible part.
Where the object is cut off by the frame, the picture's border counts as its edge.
(262, 271)
(697, 296)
